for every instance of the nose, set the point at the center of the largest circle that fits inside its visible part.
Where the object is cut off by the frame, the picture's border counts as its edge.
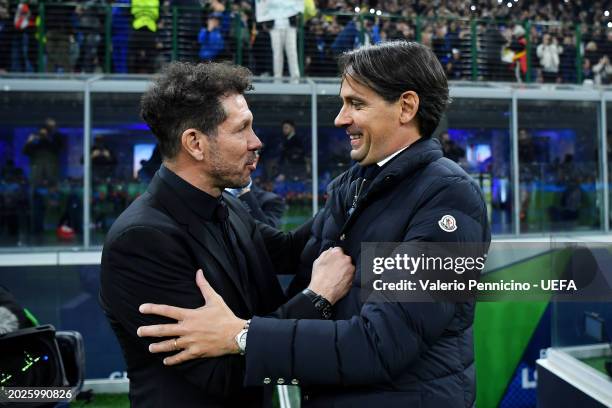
(253, 142)
(342, 119)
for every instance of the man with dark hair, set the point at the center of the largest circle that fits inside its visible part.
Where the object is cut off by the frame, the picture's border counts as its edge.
(402, 190)
(183, 222)
(294, 163)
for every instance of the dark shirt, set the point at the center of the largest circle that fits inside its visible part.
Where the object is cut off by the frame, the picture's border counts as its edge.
(200, 202)
(214, 213)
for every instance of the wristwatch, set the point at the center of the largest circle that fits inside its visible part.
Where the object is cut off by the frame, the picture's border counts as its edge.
(241, 338)
(320, 303)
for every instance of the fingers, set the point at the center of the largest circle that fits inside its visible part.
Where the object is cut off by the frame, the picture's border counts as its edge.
(165, 346)
(210, 296)
(173, 312)
(161, 330)
(181, 357)
(333, 250)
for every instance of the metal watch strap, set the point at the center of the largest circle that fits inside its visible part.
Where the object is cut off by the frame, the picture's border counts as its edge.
(244, 332)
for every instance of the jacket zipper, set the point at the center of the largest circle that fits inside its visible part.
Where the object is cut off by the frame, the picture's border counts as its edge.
(356, 197)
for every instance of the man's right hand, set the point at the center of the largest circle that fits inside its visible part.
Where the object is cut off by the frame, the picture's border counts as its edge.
(332, 275)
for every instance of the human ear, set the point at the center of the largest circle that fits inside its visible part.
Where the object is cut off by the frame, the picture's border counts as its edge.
(409, 103)
(194, 143)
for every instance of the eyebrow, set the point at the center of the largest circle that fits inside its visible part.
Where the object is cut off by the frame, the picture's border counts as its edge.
(353, 98)
(244, 123)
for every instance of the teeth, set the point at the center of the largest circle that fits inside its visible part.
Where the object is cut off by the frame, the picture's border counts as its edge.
(353, 137)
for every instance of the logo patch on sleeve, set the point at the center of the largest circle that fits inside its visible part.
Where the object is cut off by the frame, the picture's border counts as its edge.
(448, 223)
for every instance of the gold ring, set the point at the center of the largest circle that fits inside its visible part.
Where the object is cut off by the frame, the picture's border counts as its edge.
(175, 345)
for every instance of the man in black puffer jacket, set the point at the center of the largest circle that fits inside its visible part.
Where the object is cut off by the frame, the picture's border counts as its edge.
(402, 190)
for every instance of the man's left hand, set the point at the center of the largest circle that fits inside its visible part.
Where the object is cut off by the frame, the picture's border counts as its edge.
(208, 331)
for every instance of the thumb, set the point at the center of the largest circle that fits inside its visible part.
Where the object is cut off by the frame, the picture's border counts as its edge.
(210, 296)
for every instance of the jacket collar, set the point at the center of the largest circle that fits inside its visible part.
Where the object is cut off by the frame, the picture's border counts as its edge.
(409, 161)
(404, 165)
(202, 204)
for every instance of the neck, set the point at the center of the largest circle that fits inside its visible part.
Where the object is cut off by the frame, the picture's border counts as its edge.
(190, 174)
(406, 141)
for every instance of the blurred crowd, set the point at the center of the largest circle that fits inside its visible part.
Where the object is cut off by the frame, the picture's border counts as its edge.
(539, 41)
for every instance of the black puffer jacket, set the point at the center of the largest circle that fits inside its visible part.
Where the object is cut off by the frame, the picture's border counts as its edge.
(383, 354)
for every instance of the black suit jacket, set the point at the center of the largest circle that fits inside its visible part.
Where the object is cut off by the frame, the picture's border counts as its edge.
(151, 254)
(264, 206)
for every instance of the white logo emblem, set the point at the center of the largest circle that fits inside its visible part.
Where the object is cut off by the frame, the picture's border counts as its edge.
(448, 223)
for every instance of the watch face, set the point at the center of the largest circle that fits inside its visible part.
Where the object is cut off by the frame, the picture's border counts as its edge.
(242, 340)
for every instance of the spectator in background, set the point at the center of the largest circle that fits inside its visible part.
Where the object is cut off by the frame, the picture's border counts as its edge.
(261, 49)
(163, 37)
(588, 76)
(210, 38)
(568, 59)
(453, 39)
(103, 161)
(455, 68)
(440, 45)
(548, 52)
(450, 148)
(519, 47)
(349, 38)
(294, 165)
(318, 59)
(43, 149)
(591, 53)
(24, 45)
(283, 37)
(491, 44)
(89, 16)
(602, 71)
(58, 33)
(264, 206)
(240, 34)
(142, 40)
(5, 36)
(103, 164)
(120, 37)
(190, 22)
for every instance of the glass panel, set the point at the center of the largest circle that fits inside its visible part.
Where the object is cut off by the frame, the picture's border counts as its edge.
(41, 148)
(283, 123)
(61, 296)
(476, 134)
(123, 156)
(558, 161)
(334, 147)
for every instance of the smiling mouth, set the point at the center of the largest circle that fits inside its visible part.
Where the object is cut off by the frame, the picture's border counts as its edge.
(355, 139)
